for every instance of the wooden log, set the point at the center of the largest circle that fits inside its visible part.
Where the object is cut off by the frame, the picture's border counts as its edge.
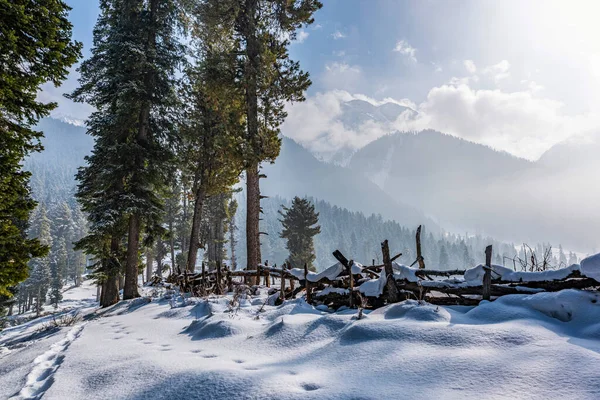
(555, 286)
(392, 290)
(420, 258)
(282, 285)
(219, 289)
(292, 281)
(487, 275)
(341, 258)
(351, 297)
(450, 289)
(267, 274)
(430, 272)
(203, 274)
(307, 285)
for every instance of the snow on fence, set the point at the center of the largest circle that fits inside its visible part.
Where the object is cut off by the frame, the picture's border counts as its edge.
(349, 283)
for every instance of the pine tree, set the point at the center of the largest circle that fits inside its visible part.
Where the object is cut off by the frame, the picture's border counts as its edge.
(268, 79)
(562, 258)
(39, 280)
(36, 48)
(298, 228)
(212, 129)
(130, 81)
(573, 258)
(232, 228)
(57, 269)
(443, 258)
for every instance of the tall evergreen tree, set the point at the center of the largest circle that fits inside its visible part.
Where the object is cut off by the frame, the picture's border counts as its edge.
(298, 229)
(232, 228)
(39, 281)
(212, 130)
(443, 259)
(36, 48)
(268, 79)
(130, 80)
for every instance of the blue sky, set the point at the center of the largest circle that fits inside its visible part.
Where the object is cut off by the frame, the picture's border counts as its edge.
(518, 76)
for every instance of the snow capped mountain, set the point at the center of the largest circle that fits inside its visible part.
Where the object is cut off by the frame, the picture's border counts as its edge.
(338, 128)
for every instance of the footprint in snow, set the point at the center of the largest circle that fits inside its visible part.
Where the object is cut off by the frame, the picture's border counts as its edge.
(195, 351)
(251, 368)
(239, 361)
(309, 387)
(209, 356)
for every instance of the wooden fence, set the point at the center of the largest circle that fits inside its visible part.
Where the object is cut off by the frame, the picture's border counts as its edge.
(351, 284)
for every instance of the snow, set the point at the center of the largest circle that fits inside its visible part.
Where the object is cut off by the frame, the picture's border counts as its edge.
(45, 365)
(404, 272)
(475, 275)
(373, 287)
(330, 273)
(544, 345)
(329, 290)
(590, 267)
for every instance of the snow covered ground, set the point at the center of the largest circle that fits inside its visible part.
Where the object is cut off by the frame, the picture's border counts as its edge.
(520, 346)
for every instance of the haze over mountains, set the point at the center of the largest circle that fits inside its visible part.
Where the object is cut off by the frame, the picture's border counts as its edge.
(426, 178)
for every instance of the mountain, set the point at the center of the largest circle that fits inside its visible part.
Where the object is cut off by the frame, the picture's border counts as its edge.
(298, 173)
(53, 169)
(360, 117)
(471, 187)
(579, 152)
(358, 112)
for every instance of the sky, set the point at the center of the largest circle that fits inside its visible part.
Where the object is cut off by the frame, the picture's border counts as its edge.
(519, 76)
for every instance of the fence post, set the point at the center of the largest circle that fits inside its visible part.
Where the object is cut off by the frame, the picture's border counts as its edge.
(420, 258)
(203, 275)
(392, 290)
(307, 285)
(267, 274)
(487, 276)
(351, 303)
(282, 283)
(292, 283)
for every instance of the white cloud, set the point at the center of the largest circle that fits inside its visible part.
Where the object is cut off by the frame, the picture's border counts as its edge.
(301, 36)
(339, 53)
(339, 75)
(518, 122)
(498, 71)
(404, 48)
(338, 35)
(470, 66)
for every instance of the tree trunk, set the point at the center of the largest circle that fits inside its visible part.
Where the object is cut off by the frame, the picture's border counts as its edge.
(195, 235)
(172, 245)
(392, 290)
(420, 258)
(252, 68)
(149, 264)
(130, 289)
(253, 218)
(110, 288)
(487, 275)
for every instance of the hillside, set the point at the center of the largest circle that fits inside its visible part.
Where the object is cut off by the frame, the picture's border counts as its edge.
(359, 236)
(470, 187)
(298, 173)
